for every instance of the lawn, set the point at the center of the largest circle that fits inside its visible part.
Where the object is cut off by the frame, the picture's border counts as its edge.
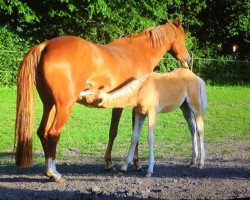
(226, 120)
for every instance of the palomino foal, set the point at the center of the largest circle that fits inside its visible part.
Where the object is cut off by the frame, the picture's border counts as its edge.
(154, 93)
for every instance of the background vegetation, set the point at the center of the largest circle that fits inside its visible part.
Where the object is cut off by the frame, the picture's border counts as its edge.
(212, 28)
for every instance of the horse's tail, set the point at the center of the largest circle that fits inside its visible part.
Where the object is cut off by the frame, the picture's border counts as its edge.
(25, 106)
(203, 95)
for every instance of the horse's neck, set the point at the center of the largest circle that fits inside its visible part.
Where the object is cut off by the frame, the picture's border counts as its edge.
(144, 48)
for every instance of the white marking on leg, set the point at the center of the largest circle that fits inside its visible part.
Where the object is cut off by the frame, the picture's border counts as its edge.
(135, 138)
(194, 147)
(51, 169)
(151, 152)
(151, 127)
(202, 150)
(200, 129)
(187, 113)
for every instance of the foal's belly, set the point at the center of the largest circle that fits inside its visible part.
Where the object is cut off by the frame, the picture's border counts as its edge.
(166, 109)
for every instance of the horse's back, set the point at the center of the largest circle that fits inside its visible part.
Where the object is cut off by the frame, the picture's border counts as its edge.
(64, 65)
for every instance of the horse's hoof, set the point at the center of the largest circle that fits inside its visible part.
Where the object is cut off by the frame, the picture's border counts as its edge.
(149, 174)
(137, 166)
(139, 170)
(109, 167)
(59, 180)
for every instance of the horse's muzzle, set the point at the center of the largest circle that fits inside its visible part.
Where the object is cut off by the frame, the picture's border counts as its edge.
(186, 61)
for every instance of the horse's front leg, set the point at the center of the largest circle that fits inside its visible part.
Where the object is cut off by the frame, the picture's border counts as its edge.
(139, 119)
(116, 115)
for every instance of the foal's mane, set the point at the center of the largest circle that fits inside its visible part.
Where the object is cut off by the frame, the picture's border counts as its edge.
(126, 91)
(158, 35)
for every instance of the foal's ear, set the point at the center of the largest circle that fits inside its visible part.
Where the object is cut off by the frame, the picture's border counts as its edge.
(178, 22)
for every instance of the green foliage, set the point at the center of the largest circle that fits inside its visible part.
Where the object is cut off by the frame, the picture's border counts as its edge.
(211, 32)
(12, 49)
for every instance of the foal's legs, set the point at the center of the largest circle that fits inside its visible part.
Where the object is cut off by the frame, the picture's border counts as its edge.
(151, 127)
(200, 130)
(139, 119)
(136, 163)
(187, 113)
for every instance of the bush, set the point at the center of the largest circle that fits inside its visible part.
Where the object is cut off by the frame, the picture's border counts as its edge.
(12, 50)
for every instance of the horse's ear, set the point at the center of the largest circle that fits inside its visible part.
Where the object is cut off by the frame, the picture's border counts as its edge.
(178, 22)
(168, 20)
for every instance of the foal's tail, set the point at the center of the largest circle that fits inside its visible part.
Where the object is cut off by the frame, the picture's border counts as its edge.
(203, 95)
(25, 106)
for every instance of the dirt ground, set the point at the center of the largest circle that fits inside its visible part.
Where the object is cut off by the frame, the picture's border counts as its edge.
(225, 176)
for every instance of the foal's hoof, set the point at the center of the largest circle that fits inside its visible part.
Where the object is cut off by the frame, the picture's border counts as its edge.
(201, 166)
(197, 165)
(149, 175)
(123, 171)
(194, 165)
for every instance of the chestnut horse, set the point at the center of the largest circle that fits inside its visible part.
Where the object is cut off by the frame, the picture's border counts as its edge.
(154, 93)
(62, 67)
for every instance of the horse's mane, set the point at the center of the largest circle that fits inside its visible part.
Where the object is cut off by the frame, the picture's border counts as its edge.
(161, 34)
(126, 91)
(158, 35)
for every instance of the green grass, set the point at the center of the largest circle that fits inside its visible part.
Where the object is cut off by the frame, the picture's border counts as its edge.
(227, 119)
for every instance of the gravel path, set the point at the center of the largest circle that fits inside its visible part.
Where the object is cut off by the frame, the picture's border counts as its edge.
(224, 177)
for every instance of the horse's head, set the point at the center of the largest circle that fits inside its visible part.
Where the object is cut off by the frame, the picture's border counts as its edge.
(178, 46)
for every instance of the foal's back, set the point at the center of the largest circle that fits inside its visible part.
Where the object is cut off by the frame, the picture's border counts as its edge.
(165, 92)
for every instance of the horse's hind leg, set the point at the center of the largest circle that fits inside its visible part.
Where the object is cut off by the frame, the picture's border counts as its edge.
(116, 115)
(63, 111)
(47, 117)
(46, 121)
(187, 113)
